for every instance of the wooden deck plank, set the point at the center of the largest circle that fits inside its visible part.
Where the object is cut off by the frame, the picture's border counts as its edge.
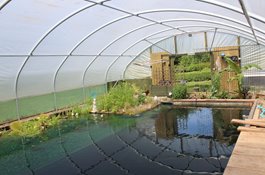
(248, 155)
(242, 171)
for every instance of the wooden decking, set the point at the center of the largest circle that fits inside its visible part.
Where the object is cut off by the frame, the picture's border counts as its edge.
(248, 156)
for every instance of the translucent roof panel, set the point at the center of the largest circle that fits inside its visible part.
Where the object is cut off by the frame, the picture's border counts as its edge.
(132, 37)
(66, 36)
(96, 72)
(76, 43)
(95, 43)
(38, 75)
(115, 71)
(27, 21)
(190, 43)
(8, 73)
(165, 46)
(139, 67)
(71, 73)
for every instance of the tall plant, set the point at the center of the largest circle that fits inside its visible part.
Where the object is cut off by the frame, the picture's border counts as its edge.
(238, 70)
(215, 84)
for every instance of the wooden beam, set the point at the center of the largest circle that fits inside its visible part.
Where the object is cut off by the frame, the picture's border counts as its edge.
(248, 122)
(248, 129)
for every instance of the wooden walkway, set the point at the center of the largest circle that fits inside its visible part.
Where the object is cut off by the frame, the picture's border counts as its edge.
(248, 156)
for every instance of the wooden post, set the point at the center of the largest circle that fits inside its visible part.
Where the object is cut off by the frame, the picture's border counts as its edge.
(238, 43)
(175, 44)
(205, 41)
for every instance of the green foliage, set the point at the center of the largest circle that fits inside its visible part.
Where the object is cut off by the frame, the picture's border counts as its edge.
(202, 85)
(187, 60)
(216, 84)
(223, 95)
(33, 127)
(203, 75)
(193, 67)
(199, 83)
(179, 91)
(238, 70)
(119, 97)
(26, 129)
(77, 109)
(141, 99)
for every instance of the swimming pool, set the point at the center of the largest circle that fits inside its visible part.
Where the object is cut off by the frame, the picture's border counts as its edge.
(166, 140)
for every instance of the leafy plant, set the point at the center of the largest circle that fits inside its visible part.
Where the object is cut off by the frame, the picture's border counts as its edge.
(141, 99)
(120, 97)
(179, 91)
(216, 84)
(193, 67)
(33, 127)
(238, 70)
(202, 75)
(26, 129)
(187, 60)
(223, 95)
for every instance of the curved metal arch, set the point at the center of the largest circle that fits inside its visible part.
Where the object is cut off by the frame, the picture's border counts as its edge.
(123, 75)
(76, 46)
(48, 33)
(232, 8)
(84, 75)
(248, 19)
(211, 22)
(161, 41)
(248, 36)
(202, 13)
(160, 22)
(4, 3)
(143, 39)
(38, 43)
(149, 46)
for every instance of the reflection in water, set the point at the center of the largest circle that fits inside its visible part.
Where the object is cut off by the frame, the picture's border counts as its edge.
(166, 140)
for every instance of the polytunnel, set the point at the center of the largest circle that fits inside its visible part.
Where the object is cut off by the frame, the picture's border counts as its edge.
(55, 53)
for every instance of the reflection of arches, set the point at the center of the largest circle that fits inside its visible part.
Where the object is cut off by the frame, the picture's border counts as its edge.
(26, 157)
(109, 158)
(192, 157)
(67, 154)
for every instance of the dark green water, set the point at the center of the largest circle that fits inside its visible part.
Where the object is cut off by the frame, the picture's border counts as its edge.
(163, 141)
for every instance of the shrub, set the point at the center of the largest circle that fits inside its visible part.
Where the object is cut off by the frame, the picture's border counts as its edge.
(26, 129)
(119, 97)
(202, 85)
(187, 60)
(197, 67)
(179, 91)
(202, 75)
(34, 127)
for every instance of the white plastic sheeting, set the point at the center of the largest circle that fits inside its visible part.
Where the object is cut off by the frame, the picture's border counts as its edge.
(53, 45)
(185, 44)
(140, 67)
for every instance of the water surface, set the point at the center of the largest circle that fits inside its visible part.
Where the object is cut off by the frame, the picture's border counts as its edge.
(164, 141)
